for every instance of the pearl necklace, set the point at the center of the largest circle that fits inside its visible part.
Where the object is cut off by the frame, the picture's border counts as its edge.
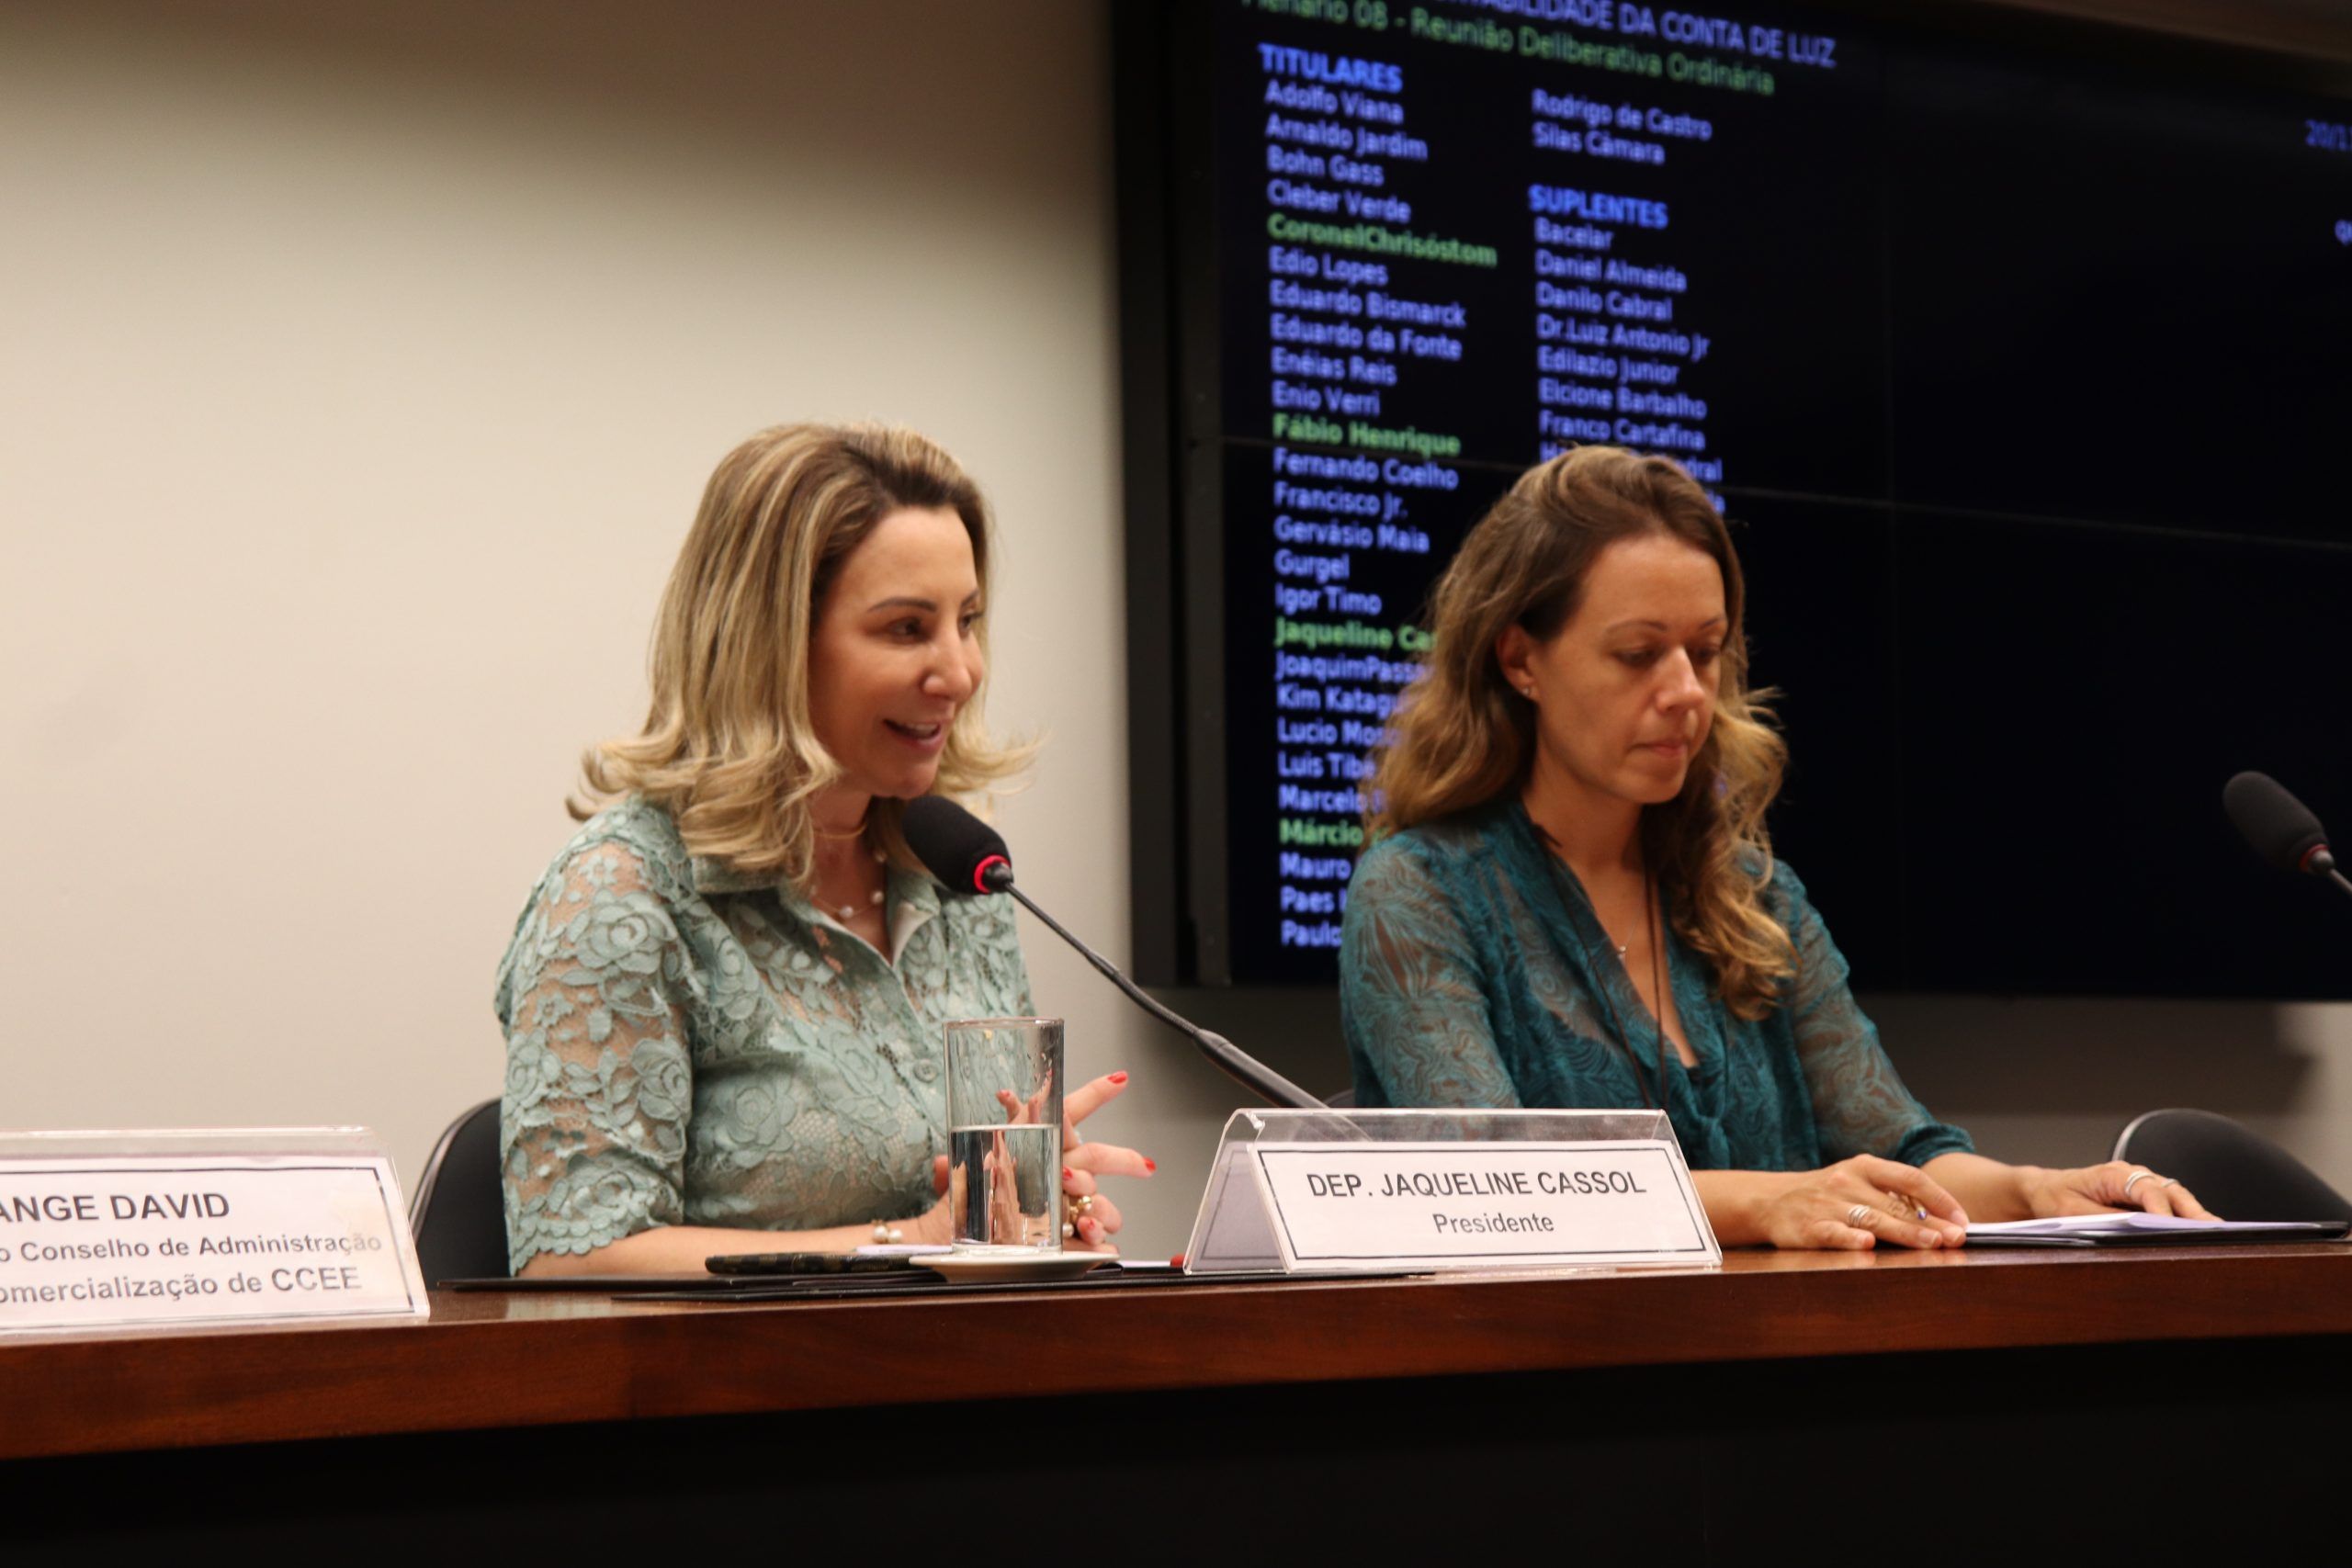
(847, 912)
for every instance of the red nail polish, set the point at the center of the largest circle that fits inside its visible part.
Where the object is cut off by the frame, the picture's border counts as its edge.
(1069, 1175)
(1118, 1078)
(1149, 1163)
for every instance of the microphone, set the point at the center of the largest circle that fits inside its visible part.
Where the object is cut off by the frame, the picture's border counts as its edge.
(964, 854)
(2280, 829)
(968, 858)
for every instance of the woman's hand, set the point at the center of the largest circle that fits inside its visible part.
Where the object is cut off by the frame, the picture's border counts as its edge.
(1082, 1162)
(1857, 1203)
(2099, 1189)
(935, 1226)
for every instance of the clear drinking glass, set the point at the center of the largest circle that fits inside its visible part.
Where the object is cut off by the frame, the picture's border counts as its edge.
(1004, 1133)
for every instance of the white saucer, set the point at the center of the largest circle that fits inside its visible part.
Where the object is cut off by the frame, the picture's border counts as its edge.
(988, 1268)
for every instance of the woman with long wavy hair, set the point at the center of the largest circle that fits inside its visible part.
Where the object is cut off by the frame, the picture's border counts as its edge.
(723, 1001)
(1571, 898)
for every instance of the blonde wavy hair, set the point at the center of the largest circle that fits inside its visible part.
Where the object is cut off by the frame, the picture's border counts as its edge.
(1462, 734)
(727, 746)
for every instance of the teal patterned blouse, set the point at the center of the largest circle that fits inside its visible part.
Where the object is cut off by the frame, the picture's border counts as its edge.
(687, 1047)
(1473, 972)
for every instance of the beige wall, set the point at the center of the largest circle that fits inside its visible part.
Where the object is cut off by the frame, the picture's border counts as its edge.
(359, 365)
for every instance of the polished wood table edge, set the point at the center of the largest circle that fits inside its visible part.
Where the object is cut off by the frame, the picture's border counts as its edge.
(499, 1360)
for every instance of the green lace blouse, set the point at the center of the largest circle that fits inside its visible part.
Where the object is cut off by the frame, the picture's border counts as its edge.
(1473, 972)
(686, 1046)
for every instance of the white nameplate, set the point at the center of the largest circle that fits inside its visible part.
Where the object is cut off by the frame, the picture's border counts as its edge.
(112, 1241)
(1338, 1206)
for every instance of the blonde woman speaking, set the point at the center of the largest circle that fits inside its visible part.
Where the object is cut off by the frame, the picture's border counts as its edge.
(723, 1001)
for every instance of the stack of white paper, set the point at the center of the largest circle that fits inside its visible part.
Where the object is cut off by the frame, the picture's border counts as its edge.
(2090, 1229)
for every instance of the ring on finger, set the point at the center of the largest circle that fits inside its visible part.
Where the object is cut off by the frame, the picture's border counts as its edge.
(2139, 1175)
(1901, 1207)
(1074, 1207)
(1859, 1215)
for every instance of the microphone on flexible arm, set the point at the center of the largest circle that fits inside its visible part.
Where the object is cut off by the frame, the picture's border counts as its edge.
(2281, 828)
(968, 858)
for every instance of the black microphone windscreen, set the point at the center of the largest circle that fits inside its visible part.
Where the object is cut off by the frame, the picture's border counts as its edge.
(2281, 828)
(963, 852)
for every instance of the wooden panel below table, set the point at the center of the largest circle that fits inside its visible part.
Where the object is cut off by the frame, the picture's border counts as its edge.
(519, 1359)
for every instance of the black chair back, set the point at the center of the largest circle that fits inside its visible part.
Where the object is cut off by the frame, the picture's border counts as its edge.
(458, 1216)
(2234, 1171)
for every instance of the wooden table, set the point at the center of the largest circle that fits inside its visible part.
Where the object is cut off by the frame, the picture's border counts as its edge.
(1682, 1414)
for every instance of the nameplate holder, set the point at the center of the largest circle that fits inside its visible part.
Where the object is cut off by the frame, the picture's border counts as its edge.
(1364, 1192)
(142, 1231)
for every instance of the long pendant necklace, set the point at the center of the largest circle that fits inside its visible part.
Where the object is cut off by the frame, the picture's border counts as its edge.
(1657, 990)
(1601, 989)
